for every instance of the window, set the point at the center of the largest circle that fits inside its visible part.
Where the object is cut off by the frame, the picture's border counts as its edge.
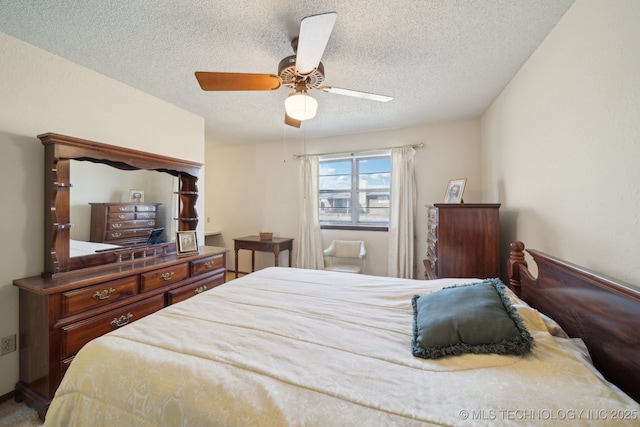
(354, 191)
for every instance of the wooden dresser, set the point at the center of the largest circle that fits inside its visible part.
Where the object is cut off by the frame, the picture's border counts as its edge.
(60, 315)
(123, 223)
(463, 240)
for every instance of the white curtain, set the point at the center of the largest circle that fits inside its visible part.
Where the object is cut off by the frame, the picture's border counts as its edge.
(402, 214)
(309, 248)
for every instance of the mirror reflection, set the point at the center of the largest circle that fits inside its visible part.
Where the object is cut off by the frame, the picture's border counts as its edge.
(100, 183)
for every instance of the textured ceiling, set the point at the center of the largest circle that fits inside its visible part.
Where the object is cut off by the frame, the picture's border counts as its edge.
(441, 60)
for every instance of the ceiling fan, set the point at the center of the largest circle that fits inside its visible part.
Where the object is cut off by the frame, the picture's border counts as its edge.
(300, 72)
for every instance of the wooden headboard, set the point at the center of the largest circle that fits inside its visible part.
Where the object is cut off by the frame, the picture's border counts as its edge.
(604, 312)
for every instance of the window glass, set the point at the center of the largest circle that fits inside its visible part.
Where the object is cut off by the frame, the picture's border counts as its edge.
(355, 191)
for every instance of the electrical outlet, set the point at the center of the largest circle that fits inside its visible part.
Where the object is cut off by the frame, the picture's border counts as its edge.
(8, 345)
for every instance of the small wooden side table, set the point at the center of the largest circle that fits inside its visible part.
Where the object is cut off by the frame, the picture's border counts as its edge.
(253, 243)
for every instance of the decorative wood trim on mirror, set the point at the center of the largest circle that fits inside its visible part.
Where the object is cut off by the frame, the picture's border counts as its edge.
(59, 150)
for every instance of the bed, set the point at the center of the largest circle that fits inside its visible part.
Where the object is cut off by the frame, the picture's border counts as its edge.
(82, 248)
(284, 346)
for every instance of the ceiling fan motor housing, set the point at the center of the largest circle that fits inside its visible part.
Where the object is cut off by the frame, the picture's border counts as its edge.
(287, 72)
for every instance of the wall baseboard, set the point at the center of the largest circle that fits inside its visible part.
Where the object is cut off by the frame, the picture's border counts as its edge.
(7, 396)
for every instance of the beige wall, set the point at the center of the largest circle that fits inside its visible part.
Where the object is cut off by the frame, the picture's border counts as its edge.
(559, 151)
(562, 142)
(40, 93)
(254, 188)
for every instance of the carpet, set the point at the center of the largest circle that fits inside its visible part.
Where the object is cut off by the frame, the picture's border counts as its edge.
(14, 414)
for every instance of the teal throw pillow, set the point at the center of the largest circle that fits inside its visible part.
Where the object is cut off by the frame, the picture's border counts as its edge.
(474, 318)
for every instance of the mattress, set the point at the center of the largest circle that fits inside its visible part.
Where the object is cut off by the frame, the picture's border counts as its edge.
(81, 248)
(292, 347)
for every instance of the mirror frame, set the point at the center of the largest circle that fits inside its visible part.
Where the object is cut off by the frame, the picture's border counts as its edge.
(59, 151)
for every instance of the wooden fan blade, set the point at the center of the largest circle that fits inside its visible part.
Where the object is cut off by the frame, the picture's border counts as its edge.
(315, 31)
(291, 121)
(356, 94)
(237, 81)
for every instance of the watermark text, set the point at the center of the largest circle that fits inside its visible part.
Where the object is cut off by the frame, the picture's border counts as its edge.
(548, 414)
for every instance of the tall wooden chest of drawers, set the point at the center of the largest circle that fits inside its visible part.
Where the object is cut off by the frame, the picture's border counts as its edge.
(123, 223)
(463, 240)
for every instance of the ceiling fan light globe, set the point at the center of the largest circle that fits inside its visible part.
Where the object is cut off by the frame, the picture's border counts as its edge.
(301, 106)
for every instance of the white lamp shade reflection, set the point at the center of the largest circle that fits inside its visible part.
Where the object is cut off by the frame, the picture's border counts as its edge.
(301, 106)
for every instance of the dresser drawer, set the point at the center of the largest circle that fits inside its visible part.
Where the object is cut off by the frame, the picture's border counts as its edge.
(145, 208)
(76, 335)
(83, 299)
(121, 216)
(254, 246)
(145, 215)
(128, 234)
(165, 276)
(206, 265)
(185, 292)
(123, 225)
(120, 208)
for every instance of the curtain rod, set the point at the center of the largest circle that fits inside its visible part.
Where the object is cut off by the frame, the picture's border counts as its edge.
(299, 156)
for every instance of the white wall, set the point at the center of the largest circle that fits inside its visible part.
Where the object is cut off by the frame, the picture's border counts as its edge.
(562, 142)
(253, 188)
(39, 93)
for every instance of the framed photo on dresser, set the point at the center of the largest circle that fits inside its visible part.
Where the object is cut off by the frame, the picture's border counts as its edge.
(187, 243)
(136, 196)
(455, 189)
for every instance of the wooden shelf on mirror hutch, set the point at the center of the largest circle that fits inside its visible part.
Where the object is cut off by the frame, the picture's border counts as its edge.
(187, 197)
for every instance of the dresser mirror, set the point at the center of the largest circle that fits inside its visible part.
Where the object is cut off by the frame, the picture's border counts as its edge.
(100, 183)
(73, 163)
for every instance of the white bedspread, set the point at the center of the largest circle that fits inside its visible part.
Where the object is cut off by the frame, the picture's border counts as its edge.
(289, 347)
(81, 248)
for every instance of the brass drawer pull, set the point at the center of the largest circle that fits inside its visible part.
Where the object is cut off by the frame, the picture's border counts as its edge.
(122, 216)
(209, 264)
(122, 320)
(167, 276)
(116, 225)
(200, 289)
(104, 294)
(116, 234)
(146, 215)
(122, 209)
(152, 223)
